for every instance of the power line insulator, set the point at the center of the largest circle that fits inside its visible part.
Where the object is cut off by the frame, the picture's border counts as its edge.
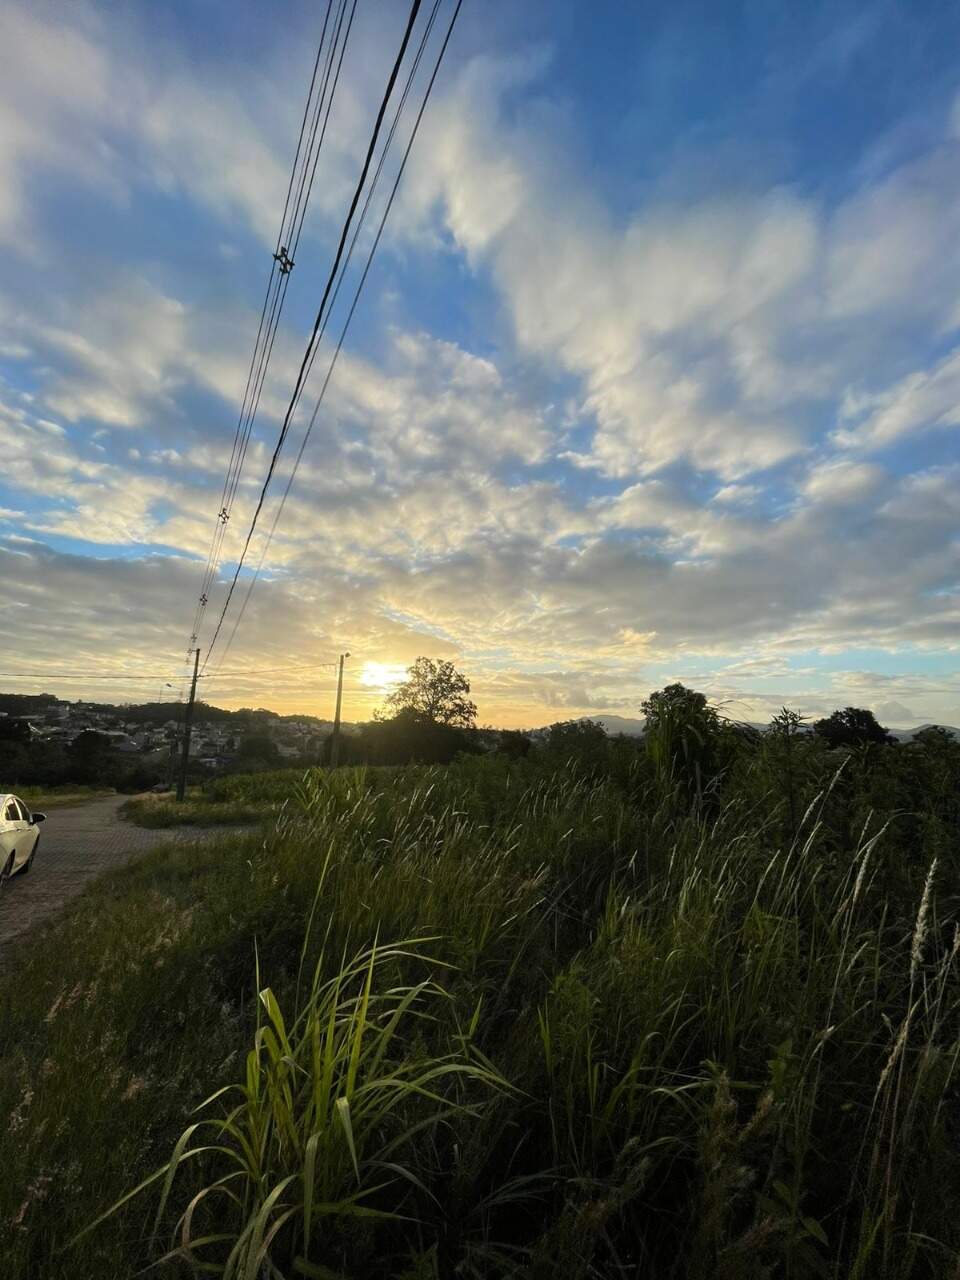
(284, 260)
(203, 601)
(224, 515)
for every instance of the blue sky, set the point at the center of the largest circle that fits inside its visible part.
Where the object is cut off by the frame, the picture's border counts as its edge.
(656, 375)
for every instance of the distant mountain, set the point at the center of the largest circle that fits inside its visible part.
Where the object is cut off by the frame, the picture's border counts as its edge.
(907, 735)
(622, 724)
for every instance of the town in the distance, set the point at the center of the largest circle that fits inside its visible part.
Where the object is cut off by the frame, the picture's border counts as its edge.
(50, 741)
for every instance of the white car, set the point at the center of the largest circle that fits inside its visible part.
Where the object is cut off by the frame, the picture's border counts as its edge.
(19, 834)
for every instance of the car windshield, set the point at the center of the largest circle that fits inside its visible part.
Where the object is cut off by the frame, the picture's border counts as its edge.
(24, 811)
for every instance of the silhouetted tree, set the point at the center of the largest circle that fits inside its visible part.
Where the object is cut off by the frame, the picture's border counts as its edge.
(784, 728)
(681, 735)
(90, 746)
(851, 727)
(14, 730)
(511, 742)
(409, 737)
(438, 691)
(576, 737)
(258, 746)
(91, 756)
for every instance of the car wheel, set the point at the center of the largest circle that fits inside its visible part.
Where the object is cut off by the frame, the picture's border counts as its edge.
(29, 862)
(7, 871)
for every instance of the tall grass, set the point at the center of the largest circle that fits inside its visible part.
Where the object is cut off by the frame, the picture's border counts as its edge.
(319, 1127)
(646, 1036)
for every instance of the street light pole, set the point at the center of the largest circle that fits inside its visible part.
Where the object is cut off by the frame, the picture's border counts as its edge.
(335, 738)
(187, 726)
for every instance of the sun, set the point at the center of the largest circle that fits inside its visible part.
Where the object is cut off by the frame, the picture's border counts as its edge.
(382, 675)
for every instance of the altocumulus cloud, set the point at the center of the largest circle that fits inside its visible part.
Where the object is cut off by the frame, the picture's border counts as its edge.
(660, 437)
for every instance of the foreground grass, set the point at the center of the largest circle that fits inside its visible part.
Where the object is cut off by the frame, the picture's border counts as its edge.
(158, 812)
(43, 798)
(588, 1031)
(228, 801)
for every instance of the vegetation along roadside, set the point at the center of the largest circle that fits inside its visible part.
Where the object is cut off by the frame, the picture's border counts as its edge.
(686, 1007)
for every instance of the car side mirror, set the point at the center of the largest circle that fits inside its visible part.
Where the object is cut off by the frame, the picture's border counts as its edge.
(38, 817)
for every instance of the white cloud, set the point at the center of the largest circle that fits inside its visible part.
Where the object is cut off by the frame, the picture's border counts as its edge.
(55, 98)
(924, 400)
(894, 247)
(737, 494)
(720, 335)
(717, 331)
(842, 482)
(437, 406)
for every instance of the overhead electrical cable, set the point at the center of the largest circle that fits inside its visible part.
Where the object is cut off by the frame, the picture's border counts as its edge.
(414, 10)
(78, 675)
(336, 293)
(291, 237)
(346, 324)
(258, 671)
(291, 223)
(281, 265)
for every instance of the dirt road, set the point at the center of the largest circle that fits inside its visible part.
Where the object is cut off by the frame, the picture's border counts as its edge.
(76, 844)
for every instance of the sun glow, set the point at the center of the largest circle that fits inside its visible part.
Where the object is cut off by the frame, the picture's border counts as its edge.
(382, 676)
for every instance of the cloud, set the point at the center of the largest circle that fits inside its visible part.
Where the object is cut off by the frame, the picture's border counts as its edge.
(737, 494)
(717, 491)
(117, 106)
(87, 99)
(842, 482)
(437, 405)
(894, 246)
(924, 400)
(718, 331)
(56, 97)
(895, 713)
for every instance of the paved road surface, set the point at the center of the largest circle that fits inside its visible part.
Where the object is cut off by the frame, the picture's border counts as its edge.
(76, 844)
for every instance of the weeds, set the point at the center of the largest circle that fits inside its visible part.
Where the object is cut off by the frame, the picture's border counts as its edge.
(630, 1032)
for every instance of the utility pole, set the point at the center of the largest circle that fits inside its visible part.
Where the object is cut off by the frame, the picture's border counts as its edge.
(335, 738)
(187, 726)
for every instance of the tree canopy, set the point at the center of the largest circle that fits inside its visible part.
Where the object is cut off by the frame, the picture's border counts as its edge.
(851, 727)
(437, 690)
(680, 734)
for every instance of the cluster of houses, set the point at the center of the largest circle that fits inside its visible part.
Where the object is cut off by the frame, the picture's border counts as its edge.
(213, 743)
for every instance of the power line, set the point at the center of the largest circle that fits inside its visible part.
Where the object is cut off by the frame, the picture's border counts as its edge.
(313, 666)
(79, 675)
(165, 678)
(292, 238)
(282, 262)
(414, 10)
(343, 332)
(237, 452)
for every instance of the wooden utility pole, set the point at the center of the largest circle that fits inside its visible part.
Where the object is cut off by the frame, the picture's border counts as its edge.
(187, 726)
(335, 737)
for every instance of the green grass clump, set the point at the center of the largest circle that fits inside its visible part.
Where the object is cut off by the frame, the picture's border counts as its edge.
(43, 798)
(158, 812)
(231, 800)
(505, 1018)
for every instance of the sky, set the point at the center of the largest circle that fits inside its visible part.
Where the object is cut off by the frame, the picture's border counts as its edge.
(655, 376)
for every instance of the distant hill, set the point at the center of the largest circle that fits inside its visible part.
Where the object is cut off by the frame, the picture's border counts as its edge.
(246, 718)
(24, 704)
(634, 728)
(907, 735)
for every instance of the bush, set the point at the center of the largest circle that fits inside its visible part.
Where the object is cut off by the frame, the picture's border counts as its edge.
(686, 1043)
